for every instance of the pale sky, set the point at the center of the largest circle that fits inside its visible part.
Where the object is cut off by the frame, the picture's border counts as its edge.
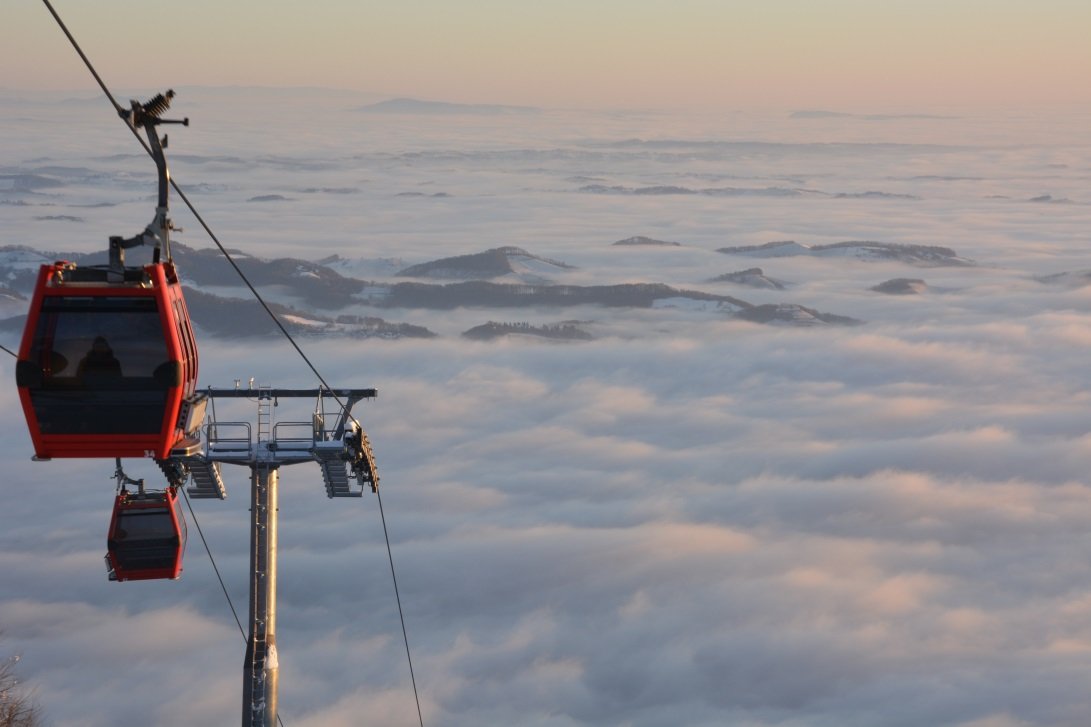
(717, 54)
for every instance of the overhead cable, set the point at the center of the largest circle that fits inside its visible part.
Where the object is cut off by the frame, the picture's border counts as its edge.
(401, 614)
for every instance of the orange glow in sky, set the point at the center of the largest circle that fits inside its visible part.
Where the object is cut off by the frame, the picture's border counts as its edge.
(712, 54)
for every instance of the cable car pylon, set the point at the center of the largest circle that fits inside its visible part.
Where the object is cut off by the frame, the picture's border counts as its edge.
(332, 438)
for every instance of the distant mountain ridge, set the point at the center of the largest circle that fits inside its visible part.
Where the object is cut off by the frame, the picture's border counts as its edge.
(642, 241)
(672, 189)
(753, 277)
(313, 283)
(484, 294)
(1072, 278)
(487, 265)
(792, 314)
(242, 318)
(901, 286)
(921, 255)
(824, 114)
(418, 106)
(559, 332)
(316, 285)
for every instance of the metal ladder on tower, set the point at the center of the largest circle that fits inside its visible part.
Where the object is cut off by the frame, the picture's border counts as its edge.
(265, 415)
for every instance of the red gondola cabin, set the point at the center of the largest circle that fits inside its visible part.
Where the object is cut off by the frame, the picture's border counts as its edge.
(147, 537)
(108, 363)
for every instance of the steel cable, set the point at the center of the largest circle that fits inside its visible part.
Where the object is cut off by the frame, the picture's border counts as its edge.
(216, 569)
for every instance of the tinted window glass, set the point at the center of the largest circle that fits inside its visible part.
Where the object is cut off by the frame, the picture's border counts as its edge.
(144, 539)
(144, 524)
(97, 337)
(98, 358)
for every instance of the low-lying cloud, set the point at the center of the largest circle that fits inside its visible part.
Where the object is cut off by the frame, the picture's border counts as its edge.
(689, 520)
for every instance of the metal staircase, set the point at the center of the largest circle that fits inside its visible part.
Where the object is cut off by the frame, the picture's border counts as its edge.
(205, 480)
(335, 470)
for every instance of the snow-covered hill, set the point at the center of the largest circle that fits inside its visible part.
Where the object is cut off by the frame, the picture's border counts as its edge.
(314, 298)
(751, 277)
(501, 262)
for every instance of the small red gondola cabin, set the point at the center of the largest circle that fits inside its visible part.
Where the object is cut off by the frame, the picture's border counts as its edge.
(108, 364)
(147, 536)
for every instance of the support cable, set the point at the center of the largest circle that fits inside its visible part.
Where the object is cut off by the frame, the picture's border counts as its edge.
(215, 568)
(223, 586)
(208, 230)
(8, 350)
(253, 290)
(86, 61)
(401, 614)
